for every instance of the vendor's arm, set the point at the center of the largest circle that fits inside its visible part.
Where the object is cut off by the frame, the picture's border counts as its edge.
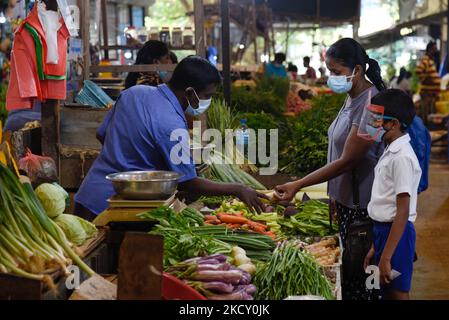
(209, 188)
(354, 150)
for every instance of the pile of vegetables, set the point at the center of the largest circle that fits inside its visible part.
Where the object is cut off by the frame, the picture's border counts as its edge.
(257, 246)
(221, 117)
(242, 261)
(291, 272)
(226, 171)
(54, 200)
(326, 252)
(312, 219)
(236, 221)
(215, 278)
(181, 241)
(307, 142)
(31, 244)
(264, 223)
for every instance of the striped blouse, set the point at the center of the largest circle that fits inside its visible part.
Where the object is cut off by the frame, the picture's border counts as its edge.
(428, 75)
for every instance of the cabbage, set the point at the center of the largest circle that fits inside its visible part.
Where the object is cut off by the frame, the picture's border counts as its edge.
(72, 228)
(89, 228)
(53, 199)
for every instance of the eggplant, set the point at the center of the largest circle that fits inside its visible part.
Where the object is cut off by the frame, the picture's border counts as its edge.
(220, 257)
(208, 261)
(221, 266)
(270, 209)
(285, 203)
(231, 276)
(290, 211)
(236, 295)
(217, 287)
(249, 289)
(246, 278)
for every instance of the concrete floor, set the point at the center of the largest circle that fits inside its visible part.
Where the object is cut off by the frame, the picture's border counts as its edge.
(431, 272)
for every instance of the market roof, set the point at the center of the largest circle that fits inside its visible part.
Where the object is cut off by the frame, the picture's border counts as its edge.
(315, 10)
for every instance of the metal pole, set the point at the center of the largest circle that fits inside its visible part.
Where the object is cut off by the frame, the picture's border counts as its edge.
(226, 50)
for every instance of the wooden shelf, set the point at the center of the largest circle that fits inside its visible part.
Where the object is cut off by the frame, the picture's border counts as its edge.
(138, 47)
(133, 68)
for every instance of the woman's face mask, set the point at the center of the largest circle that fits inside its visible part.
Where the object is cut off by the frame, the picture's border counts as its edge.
(203, 105)
(340, 84)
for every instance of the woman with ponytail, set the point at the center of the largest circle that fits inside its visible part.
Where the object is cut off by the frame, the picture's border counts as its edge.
(351, 159)
(152, 52)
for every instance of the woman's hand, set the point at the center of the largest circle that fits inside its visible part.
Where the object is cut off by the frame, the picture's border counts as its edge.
(287, 192)
(368, 258)
(252, 198)
(384, 271)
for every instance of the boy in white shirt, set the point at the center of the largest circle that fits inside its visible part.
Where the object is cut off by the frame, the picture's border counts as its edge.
(394, 197)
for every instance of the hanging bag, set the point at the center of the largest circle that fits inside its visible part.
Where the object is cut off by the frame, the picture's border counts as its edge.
(358, 240)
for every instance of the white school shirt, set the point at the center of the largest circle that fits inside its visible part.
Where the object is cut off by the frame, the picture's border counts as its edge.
(398, 171)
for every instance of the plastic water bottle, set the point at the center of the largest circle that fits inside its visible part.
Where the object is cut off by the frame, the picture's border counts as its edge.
(242, 136)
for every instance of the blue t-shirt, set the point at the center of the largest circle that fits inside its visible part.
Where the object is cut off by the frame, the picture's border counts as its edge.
(137, 136)
(273, 70)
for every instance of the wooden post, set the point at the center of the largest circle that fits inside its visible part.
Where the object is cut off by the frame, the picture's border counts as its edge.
(200, 40)
(226, 50)
(50, 131)
(104, 18)
(254, 9)
(84, 6)
(140, 267)
(287, 37)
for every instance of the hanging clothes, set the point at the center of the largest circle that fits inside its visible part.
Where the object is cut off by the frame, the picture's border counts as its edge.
(32, 77)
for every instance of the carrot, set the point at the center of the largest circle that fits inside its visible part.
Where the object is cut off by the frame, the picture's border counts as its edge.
(258, 229)
(257, 225)
(270, 234)
(234, 226)
(231, 219)
(211, 218)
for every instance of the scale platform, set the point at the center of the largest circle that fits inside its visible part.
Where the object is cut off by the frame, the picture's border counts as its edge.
(121, 210)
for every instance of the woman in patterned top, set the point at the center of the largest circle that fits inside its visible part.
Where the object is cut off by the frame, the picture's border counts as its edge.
(152, 52)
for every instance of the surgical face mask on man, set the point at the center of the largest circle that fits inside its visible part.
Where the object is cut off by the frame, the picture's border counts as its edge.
(340, 84)
(203, 105)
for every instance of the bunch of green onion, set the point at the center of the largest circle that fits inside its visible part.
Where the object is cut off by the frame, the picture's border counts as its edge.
(31, 244)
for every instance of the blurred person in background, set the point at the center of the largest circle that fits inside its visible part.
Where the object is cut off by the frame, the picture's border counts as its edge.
(292, 71)
(310, 71)
(430, 82)
(402, 82)
(152, 52)
(276, 68)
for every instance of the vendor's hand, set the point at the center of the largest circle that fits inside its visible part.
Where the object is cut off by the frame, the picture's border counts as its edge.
(286, 192)
(384, 271)
(368, 258)
(252, 198)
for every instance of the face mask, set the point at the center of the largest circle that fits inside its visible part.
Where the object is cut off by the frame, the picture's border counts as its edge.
(203, 105)
(376, 134)
(340, 84)
(163, 75)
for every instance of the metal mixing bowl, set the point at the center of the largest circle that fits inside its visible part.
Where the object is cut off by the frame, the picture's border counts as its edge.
(145, 185)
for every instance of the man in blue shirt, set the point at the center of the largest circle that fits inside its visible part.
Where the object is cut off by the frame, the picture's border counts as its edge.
(136, 136)
(276, 68)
